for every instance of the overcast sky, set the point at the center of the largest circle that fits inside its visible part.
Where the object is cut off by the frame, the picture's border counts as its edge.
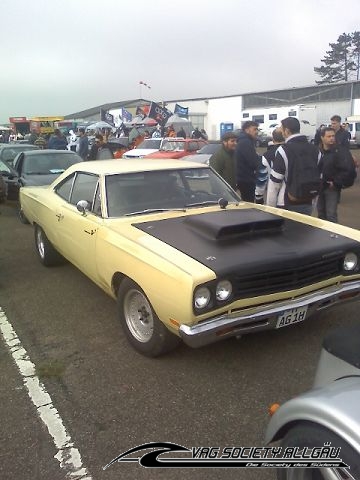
(59, 57)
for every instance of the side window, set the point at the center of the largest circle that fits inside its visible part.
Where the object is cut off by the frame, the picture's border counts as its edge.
(64, 188)
(84, 188)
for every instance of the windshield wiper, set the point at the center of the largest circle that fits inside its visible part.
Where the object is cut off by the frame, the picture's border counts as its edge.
(37, 173)
(155, 210)
(207, 202)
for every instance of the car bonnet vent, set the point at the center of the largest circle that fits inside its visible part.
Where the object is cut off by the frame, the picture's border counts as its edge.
(229, 224)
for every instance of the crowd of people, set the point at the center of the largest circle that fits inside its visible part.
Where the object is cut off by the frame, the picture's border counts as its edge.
(293, 173)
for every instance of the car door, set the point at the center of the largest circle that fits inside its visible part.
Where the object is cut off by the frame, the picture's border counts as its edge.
(77, 232)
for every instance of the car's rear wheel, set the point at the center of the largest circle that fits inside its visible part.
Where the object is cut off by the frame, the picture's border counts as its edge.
(22, 217)
(142, 327)
(307, 435)
(47, 254)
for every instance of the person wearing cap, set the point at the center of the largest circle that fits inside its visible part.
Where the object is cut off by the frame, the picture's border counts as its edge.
(223, 160)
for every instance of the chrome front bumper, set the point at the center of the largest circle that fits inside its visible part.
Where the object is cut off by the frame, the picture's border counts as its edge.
(265, 317)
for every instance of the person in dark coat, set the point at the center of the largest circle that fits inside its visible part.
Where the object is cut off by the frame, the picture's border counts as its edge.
(341, 135)
(57, 141)
(181, 133)
(332, 164)
(83, 148)
(223, 160)
(247, 161)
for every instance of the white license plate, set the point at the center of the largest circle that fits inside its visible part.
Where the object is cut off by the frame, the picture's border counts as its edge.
(294, 315)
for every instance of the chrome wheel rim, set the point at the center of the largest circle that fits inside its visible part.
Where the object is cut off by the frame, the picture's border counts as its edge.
(138, 315)
(40, 243)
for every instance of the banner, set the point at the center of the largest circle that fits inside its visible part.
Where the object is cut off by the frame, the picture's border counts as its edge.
(107, 117)
(142, 111)
(126, 116)
(181, 111)
(161, 115)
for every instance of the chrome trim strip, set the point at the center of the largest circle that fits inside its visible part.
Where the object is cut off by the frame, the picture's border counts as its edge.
(263, 317)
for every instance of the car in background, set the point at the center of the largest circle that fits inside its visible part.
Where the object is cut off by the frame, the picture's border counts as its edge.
(9, 180)
(177, 148)
(42, 167)
(8, 151)
(147, 146)
(203, 155)
(185, 257)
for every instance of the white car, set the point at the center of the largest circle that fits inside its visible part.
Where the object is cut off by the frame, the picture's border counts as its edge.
(149, 145)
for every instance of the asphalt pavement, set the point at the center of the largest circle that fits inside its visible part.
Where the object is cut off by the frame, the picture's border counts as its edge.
(110, 398)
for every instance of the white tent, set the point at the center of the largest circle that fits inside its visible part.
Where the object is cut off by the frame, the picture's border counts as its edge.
(178, 122)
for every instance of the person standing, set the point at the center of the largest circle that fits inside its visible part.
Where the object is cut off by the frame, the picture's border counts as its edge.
(223, 160)
(341, 135)
(333, 166)
(247, 161)
(267, 162)
(57, 141)
(295, 159)
(181, 133)
(83, 146)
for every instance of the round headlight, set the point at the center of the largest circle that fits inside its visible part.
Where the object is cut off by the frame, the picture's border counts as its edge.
(202, 297)
(350, 261)
(223, 290)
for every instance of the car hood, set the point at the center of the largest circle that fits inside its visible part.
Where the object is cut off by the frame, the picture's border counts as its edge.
(138, 152)
(247, 240)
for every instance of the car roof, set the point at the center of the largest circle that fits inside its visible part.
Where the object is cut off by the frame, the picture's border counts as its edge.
(110, 167)
(18, 145)
(49, 150)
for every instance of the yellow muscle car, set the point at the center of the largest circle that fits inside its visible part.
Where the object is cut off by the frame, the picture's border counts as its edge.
(184, 257)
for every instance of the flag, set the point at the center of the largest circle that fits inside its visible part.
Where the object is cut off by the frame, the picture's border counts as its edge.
(181, 111)
(161, 115)
(126, 116)
(142, 111)
(106, 117)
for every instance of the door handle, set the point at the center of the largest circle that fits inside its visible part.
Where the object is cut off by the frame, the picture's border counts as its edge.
(59, 216)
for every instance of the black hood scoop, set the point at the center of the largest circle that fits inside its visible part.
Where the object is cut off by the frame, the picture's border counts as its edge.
(231, 224)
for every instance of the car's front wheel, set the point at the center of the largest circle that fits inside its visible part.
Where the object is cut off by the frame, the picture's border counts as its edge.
(142, 327)
(307, 435)
(47, 254)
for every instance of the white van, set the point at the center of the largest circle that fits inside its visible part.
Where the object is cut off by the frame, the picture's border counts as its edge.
(354, 129)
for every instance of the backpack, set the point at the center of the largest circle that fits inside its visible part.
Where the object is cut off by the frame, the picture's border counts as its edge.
(303, 175)
(348, 174)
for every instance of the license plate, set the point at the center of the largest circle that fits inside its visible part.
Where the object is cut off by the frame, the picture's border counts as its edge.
(294, 315)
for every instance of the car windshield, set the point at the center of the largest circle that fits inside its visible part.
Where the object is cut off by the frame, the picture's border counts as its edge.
(209, 148)
(172, 146)
(150, 143)
(143, 192)
(46, 164)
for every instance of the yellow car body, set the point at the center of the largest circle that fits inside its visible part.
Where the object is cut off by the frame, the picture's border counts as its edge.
(163, 280)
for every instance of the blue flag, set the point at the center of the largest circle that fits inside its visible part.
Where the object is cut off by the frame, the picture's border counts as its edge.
(181, 111)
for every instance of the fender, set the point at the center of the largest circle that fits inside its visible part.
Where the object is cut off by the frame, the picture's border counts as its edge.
(335, 407)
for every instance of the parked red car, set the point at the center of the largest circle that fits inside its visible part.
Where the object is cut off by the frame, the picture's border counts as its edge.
(178, 148)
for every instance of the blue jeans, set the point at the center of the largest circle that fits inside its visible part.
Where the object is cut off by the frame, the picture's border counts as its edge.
(304, 208)
(328, 203)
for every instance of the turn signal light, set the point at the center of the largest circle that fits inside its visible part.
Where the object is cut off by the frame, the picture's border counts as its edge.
(272, 409)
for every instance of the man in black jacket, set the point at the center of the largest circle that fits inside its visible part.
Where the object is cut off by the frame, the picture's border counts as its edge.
(296, 146)
(334, 159)
(247, 161)
(341, 135)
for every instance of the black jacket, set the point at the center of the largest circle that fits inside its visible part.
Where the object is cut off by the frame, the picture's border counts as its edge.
(333, 165)
(247, 160)
(342, 138)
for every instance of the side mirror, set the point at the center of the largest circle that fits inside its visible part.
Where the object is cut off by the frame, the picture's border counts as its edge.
(83, 206)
